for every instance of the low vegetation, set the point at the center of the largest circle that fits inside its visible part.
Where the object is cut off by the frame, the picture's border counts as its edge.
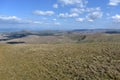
(83, 61)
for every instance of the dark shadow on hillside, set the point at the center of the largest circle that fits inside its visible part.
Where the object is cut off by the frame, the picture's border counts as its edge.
(112, 32)
(4, 39)
(15, 42)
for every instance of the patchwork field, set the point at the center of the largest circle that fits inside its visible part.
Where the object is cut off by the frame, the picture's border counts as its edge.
(83, 61)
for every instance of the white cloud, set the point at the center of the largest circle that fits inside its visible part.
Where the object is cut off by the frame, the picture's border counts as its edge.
(94, 15)
(80, 19)
(9, 19)
(84, 10)
(43, 13)
(90, 20)
(114, 2)
(57, 23)
(63, 15)
(77, 10)
(116, 18)
(66, 15)
(15, 20)
(80, 3)
(52, 23)
(73, 15)
(55, 6)
(93, 9)
(54, 19)
(37, 22)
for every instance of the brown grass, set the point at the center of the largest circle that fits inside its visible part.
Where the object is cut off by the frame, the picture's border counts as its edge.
(85, 61)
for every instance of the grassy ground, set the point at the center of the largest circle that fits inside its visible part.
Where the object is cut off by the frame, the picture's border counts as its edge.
(84, 61)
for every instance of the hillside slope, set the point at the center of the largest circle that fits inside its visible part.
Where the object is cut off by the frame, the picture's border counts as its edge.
(85, 61)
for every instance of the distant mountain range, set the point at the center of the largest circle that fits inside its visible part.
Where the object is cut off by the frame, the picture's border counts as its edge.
(98, 30)
(60, 36)
(75, 30)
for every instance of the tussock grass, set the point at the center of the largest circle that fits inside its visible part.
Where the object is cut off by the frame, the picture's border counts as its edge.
(84, 61)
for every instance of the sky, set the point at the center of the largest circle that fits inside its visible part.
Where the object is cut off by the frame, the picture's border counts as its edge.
(59, 14)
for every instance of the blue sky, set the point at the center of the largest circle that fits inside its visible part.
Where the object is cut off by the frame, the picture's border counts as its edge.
(59, 14)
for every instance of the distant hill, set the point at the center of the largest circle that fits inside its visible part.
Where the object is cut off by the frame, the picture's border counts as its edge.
(56, 36)
(96, 30)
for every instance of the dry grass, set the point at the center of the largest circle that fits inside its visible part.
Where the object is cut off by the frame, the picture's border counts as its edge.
(102, 38)
(85, 61)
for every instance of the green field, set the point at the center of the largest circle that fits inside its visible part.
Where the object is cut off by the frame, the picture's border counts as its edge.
(83, 61)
